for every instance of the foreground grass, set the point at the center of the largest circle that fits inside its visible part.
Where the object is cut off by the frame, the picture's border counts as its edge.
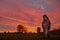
(16, 36)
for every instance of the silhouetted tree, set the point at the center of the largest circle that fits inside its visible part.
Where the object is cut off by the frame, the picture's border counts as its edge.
(20, 28)
(38, 30)
(4, 32)
(46, 25)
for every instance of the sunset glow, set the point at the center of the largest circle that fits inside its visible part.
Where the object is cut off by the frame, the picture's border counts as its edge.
(28, 13)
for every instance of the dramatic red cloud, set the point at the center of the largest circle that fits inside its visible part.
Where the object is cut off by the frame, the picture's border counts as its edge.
(28, 13)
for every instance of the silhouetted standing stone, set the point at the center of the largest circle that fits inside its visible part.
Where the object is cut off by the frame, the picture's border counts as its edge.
(38, 30)
(46, 25)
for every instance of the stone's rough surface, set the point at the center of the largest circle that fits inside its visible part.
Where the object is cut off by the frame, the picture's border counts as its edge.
(46, 25)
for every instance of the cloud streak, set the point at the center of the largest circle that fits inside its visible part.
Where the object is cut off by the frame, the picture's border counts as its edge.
(28, 12)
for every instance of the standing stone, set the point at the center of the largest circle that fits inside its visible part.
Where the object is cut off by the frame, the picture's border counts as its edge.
(38, 30)
(46, 25)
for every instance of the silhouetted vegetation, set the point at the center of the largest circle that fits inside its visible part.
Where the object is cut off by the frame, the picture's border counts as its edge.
(21, 29)
(54, 35)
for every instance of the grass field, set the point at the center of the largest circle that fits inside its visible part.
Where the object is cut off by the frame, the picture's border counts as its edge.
(54, 35)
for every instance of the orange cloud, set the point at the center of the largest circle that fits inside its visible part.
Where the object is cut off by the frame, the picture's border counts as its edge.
(29, 15)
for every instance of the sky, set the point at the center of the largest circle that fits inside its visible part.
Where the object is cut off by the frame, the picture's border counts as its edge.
(28, 13)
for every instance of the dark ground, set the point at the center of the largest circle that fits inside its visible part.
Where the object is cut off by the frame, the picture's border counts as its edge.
(54, 35)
